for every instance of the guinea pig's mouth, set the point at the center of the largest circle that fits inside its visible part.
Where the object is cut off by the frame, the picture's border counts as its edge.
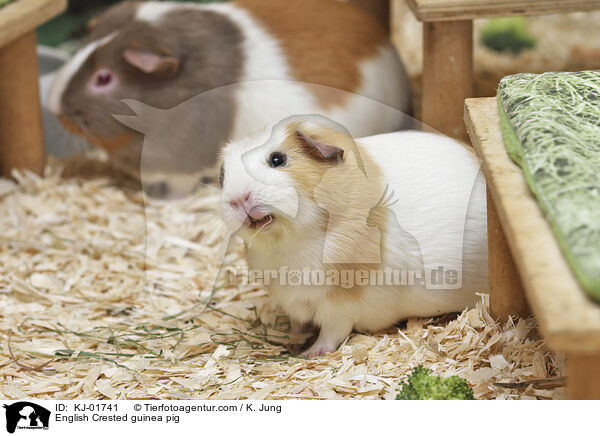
(259, 222)
(70, 126)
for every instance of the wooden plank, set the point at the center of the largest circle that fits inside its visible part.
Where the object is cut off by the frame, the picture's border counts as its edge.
(450, 10)
(23, 16)
(507, 296)
(583, 381)
(447, 75)
(21, 133)
(567, 318)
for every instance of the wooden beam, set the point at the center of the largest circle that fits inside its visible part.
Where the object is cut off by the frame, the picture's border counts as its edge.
(22, 16)
(507, 296)
(21, 133)
(447, 75)
(583, 380)
(447, 10)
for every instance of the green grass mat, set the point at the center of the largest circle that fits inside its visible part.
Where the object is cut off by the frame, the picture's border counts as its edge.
(551, 127)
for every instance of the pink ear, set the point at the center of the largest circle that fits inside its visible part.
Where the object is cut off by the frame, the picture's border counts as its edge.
(151, 63)
(318, 149)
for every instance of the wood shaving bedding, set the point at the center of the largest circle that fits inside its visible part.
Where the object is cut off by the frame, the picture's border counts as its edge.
(116, 314)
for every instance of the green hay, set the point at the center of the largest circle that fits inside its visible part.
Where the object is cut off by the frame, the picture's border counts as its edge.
(551, 127)
(147, 341)
(5, 2)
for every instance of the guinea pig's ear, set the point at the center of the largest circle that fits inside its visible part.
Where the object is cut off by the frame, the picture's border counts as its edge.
(151, 63)
(319, 150)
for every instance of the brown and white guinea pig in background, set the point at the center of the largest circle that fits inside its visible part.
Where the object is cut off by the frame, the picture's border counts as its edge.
(357, 234)
(319, 56)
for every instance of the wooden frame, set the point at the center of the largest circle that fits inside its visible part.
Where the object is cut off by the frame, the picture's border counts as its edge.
(21, 132)
(447, 75)
(450, 10)
(507, 296)
(568, 320)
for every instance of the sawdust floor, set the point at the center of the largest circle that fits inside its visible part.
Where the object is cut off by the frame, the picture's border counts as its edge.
(78, 321)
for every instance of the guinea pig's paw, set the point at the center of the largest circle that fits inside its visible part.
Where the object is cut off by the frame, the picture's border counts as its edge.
(331, 335)
(318, 349)
(81, 166)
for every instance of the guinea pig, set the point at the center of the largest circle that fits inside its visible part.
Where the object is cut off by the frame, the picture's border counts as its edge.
(357, 234)
(325, 57)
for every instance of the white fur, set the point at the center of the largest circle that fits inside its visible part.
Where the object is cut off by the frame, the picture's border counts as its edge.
(445, 194)
(246, 169)
(64, 75)
(387, 81)
(388, 88)
(153, 11)
(439, 219)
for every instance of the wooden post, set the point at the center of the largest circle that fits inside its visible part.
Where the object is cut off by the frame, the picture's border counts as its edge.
(21, 132)
(507, 296)
(447, 75)
(380, 9)
(583, 376)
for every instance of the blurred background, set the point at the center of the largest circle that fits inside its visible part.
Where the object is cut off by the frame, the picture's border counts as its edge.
(503, 46)
(567, 42)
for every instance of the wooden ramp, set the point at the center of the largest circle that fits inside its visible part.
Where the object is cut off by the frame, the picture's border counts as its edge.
(568, 320)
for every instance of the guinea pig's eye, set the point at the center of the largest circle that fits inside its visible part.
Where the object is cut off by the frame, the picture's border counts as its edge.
(103, 78)
(277, 159)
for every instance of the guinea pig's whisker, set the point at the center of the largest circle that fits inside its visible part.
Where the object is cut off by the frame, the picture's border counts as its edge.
(259, 230)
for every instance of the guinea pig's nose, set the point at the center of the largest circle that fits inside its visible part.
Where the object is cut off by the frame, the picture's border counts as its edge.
(242, 202)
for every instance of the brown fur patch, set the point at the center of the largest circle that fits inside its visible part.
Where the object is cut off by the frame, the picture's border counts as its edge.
(109, 145)
(350, 192)
(113, 144)
(324, 40)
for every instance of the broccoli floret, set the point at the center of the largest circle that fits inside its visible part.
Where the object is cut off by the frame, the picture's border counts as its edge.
(421, 385)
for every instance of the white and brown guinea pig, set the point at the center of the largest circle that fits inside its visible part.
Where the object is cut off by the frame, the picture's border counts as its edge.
(362, 234)
(165, 53)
